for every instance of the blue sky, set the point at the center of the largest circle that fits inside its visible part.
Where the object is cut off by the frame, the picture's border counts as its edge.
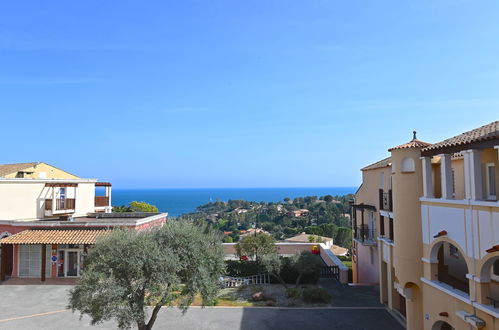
(239, 93)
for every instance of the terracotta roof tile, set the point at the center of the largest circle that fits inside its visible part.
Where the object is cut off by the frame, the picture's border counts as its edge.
(483, 133)
(414, 143)
(54, 237)
(379, 164)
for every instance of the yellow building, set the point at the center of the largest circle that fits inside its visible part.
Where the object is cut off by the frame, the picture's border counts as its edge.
(438, 263)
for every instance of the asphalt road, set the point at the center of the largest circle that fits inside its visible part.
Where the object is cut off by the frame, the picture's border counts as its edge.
(44, 307)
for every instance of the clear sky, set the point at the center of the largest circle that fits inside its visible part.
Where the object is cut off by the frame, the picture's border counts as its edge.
(239, 93)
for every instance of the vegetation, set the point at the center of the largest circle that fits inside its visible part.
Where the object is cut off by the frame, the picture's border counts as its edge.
(136, 207)
(126, 271)
(305, 263)
(325, 216)
(316, 295)
(254, 246)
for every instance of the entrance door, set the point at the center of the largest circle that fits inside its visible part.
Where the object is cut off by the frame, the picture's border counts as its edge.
(72, 263)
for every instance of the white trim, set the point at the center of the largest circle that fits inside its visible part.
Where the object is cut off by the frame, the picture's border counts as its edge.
(448, 289)
(387, 214)
(489, 309)
(429, 261)
(475, 278)
(387, 241)
(485, 203)
(445, 201)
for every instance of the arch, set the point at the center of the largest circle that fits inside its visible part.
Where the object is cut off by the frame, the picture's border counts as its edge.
(486, 266)
(452, 267)
(442, 325)
(407, 165)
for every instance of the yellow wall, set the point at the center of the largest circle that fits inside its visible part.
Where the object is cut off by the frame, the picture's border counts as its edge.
(43, 169)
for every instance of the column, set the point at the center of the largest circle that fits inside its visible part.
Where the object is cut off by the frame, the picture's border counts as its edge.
(44, 262)
(446, 174)
(427, 180)
(473, 174)
(3, 264)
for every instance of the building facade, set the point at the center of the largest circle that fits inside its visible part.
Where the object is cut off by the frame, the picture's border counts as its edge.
(49, 218)
(438, 265)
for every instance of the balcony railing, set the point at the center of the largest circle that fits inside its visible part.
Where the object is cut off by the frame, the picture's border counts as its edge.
(101, 201)
(365, 234)
(60, 204)
(385, 200)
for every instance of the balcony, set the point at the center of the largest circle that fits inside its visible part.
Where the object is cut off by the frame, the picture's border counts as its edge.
(385, 200)
(101, 201)
(365, 235)
(62, 205)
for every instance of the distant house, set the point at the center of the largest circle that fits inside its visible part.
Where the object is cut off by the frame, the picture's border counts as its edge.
(252, 231)
(298, 213)
(305, 238)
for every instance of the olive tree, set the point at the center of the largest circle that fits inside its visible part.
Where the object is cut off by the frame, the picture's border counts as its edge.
(256, 245)
(130, 275)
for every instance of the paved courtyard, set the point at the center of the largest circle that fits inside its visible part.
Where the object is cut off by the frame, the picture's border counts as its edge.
(44, 307)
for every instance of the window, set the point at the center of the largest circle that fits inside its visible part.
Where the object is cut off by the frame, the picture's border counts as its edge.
(453, 183)
(30, 260)
(490, 177)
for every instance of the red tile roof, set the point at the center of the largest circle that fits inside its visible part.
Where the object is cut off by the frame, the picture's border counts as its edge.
(484, 133)
(414, 143)
(379, 164)
(54, 237)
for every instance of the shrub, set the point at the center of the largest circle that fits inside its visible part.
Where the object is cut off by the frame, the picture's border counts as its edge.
(238, 268)
(293, 293)
(316, 295)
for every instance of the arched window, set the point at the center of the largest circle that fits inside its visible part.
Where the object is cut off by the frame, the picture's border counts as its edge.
(452, 267)
(407, 165)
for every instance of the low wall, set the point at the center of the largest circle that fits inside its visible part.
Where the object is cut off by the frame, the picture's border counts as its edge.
(288, 249)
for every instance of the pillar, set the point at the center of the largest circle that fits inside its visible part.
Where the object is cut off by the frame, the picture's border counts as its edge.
(427, 180)
(472, 175)
(44, 262)
(446, 174)
(3, 264)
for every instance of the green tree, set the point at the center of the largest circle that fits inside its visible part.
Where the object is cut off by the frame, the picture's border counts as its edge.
(255, 246)
(142, 207)
(136, 207)
(273, 264)
(127, 271)
(306, 263)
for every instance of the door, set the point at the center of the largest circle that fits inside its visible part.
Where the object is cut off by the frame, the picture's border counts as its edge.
(72, 263)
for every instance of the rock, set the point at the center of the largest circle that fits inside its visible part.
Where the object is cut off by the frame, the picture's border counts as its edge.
(270, 302)
(258, 296)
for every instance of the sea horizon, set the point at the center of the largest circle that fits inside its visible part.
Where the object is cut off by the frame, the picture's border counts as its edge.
(178, 201)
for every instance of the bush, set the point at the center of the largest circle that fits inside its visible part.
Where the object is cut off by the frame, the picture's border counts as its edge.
(316, 295)
(293, 293)
(239, 268)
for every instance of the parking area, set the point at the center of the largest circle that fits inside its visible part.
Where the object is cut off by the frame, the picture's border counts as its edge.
(44, 307)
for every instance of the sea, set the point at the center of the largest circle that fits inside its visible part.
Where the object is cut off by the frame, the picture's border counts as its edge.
(180, 201)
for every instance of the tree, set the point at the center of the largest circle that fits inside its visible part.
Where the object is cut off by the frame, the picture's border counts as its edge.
(128, 271)
(136, 207)
(142, 207)
(306, 263)
(256, 245)
(273, 264)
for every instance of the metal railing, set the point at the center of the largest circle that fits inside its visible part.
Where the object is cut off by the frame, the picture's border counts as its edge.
(233, 282)
(365, 234)
(386, 200)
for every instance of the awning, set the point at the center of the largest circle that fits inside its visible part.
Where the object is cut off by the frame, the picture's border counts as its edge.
(103, 184)
(54, 237)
